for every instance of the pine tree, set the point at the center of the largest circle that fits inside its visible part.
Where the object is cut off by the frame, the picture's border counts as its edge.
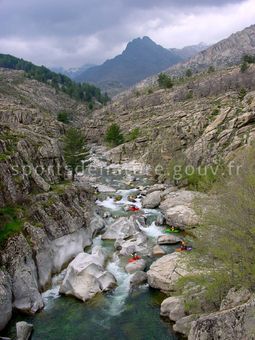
(76, 153)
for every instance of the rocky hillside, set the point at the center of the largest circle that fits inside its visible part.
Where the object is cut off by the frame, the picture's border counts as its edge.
(44, 219)
(207, 117)
(227, 52)
(141, 58)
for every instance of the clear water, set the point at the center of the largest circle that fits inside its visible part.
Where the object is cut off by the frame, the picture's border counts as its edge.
(120, 314)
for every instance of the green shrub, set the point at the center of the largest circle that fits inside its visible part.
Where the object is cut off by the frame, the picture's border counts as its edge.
(165, 81)
(133, 135)
(188, 73)
(113, 135)
(211, 69)
(244, 67)
(64, 117)
(242, 93)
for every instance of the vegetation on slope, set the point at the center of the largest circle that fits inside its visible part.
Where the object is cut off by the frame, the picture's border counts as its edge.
(83, 92)
(225, 242)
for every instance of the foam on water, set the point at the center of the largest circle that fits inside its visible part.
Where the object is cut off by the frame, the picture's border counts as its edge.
(51, 294)
(116, 301)
(152, 231)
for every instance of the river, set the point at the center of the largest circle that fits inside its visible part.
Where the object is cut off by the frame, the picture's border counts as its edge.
(122, 313)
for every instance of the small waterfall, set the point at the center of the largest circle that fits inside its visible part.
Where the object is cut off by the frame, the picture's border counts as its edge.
(53, 293)
(152, 230)
(117, 300)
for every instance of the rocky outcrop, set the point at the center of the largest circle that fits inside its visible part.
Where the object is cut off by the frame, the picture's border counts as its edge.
(184, 324)
(85, 276)
(234, 323)
(5, 299)
(173, 307)
(235, 297)
(165, 272)
(24, 330)
(136, 244)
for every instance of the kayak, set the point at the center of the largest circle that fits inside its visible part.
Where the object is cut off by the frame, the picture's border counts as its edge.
(176, 231)
(133, 209)
(133, 259)
(180, 249)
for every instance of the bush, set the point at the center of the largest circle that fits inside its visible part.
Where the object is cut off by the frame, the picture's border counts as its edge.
(165, 81)
(64, 117)
(113, 135)
(224, 249)
(211, 69)
(188, 73)
(10, 223)
(242, 93)
(133, 134)
(244, 67)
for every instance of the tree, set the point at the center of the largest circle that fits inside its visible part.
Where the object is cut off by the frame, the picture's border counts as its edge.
(76, 152)
(165, 81)
(113, 135)
(188, 73)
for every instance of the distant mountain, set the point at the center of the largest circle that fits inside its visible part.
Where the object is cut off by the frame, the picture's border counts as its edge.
(225, 53)
(73, 72)
(188, 52)
(141, 58)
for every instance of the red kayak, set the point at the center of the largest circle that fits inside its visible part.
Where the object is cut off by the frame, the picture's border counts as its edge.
(134, 259)
(133, 209)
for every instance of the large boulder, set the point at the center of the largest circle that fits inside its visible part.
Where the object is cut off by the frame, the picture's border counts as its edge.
(136, 244)
(5, 299)
(138, 279)
(178, 208)
(184, 324)
(135, 266)
(122, 228)
(23, 330)
(152, 200)
(234, 323)
(173, 307)
(168, 239)
(85, 276)
(165, 272)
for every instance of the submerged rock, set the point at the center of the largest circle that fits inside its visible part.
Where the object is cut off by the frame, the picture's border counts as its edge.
(135, 266)
(24, 330)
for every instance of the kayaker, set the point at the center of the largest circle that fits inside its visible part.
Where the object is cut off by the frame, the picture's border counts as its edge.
(173, 228)
(183, 245)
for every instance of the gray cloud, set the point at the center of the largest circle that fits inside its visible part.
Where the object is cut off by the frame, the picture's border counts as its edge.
(73, 33)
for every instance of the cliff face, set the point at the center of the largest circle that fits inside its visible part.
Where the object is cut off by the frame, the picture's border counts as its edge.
(54, 219)
(207, 117)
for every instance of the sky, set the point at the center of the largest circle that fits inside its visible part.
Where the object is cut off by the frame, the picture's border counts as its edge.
(77, 32)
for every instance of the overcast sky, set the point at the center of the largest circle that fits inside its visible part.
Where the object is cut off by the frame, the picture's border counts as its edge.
(72, 33)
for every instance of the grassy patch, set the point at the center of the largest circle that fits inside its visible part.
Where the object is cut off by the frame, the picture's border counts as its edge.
(10, 223)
